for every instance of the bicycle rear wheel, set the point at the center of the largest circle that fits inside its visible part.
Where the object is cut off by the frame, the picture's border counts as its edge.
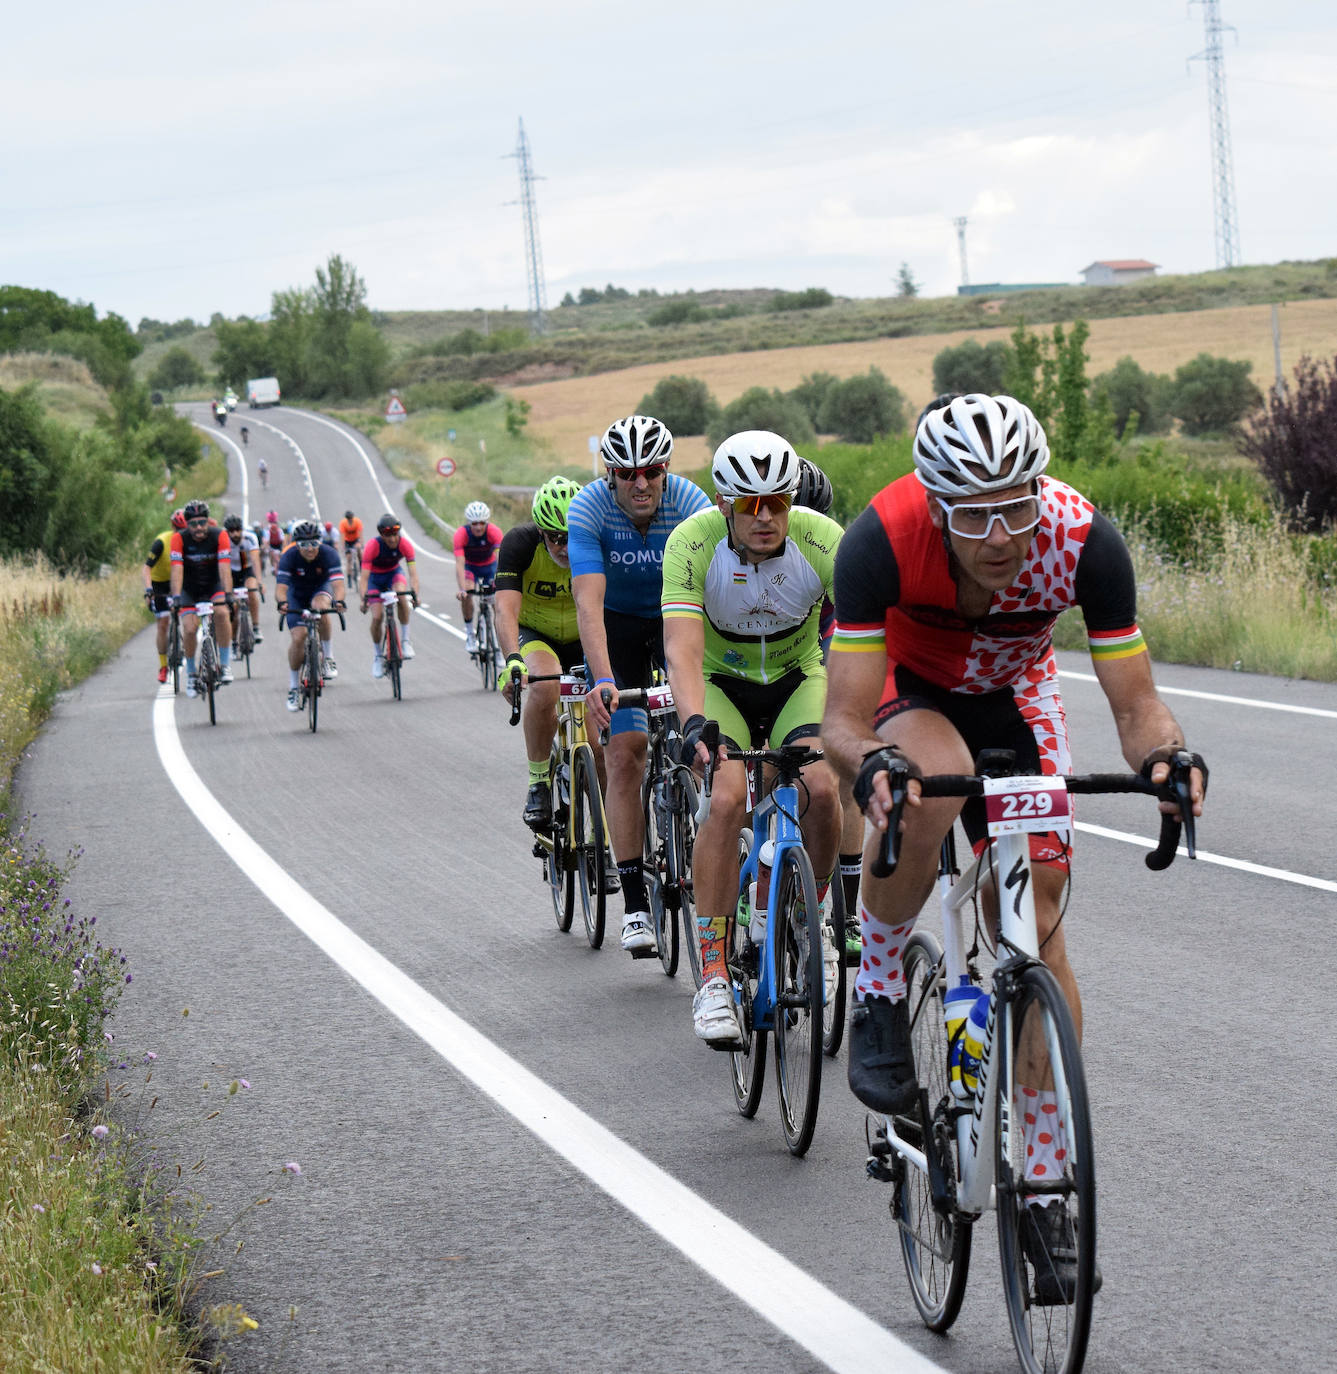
(799, 998)
(833, 971)
(587, 852)
(208, 674)
(557, 860)
(662, 915)
(174, 657)
(245, 635)
(935, 1248)
(748, 1065)
(679, 841)
(311, 685)
(1041, 1077)
(393, 657)
(487, 651)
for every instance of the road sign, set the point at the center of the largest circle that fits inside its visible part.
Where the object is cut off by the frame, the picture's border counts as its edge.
(450, 434)
(446, 467)
(394, 411)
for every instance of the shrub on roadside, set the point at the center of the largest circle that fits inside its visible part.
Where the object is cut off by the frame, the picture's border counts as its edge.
(1136, 397)
(810, 393)
(971, 366)
(684, 404)
(814, 298)
(1213, 394)
(859, 409)
(175, 368)
(758, 408)
(453, 395)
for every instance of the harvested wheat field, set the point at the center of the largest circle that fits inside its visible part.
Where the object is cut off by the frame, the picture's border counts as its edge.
(566, 413)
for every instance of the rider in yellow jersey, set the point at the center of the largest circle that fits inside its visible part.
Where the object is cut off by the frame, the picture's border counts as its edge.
(158, 585)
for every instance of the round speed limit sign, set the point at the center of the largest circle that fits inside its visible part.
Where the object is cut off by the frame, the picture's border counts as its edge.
(445, 466)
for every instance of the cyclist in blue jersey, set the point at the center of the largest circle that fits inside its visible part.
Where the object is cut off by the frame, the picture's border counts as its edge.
(618, 530)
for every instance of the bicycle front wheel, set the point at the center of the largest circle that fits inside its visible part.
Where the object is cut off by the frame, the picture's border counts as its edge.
(587, 843)
(655, 857)
(833, 971)
(312, 686)
(799, 999)
(679, 839)
(1046, 1178)
(934, 1246)
(747, 1066)
(393, 657)
(174, 657)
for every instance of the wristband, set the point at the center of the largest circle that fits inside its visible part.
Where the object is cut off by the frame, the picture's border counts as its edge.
(604, 682)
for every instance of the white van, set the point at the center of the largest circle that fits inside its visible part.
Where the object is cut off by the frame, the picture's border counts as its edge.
(262, 391)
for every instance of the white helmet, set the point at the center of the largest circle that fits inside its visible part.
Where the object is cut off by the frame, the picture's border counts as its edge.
(637, 441)
(977, 443)
(755, 463)
(477, 510)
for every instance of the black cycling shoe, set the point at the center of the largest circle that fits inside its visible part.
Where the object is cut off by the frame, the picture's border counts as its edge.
(882, 1062)
(612, 883)
(538, 806)
(1050, 1244)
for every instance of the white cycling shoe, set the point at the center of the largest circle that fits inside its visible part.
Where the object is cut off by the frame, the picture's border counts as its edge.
(378, 666)
(406, 650)
(638, 939)
(715, 1017)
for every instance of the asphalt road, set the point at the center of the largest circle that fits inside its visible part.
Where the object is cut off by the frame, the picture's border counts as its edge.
(510, 1144)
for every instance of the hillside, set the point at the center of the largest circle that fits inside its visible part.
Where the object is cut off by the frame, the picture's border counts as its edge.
(65, 385)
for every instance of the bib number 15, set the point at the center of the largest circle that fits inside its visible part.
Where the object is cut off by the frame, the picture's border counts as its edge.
(1015, 805)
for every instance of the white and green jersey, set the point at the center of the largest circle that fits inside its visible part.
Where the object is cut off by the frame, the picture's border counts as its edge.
(761, 619)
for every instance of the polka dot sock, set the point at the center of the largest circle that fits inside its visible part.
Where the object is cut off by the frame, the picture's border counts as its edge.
(880, 973)
(1045, 1134)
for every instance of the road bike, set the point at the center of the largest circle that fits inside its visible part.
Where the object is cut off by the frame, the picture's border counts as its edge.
(311, 675)
(392, 648)
(208, 664)
(243, 629)
(485, 628)
(175, 656)
(574, 848)
(669, 802)
(834, 972)
(1002, 1118)
(775, 961)
(353, 570)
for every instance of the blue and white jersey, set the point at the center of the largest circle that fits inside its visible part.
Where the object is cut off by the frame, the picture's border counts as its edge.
(604, 540)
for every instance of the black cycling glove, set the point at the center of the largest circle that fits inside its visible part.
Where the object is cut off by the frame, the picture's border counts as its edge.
(1176, 755)
(690, 737)
(888, 759)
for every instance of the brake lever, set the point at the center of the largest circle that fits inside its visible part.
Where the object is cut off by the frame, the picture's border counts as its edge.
(889, 851)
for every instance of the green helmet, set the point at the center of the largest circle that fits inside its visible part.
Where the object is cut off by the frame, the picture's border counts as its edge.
(551, 501)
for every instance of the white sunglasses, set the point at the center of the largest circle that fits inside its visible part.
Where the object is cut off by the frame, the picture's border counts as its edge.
(976, 522)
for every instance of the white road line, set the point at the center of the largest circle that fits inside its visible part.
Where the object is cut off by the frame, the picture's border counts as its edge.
(1243, 865)
(444, 624)
(823, 1323)
(366, 458)
(301, 458)
(217, 433)
(1218, 696)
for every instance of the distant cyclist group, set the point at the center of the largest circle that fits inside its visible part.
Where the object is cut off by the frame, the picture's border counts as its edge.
(901, 647)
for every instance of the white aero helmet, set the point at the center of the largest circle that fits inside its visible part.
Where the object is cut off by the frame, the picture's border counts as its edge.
(755, 462)
(636, 441)
(976, 444)
(477, 510)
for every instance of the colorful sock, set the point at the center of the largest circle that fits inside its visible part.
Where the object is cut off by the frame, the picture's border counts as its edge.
(225, 654)
(162, 660)
(711, 930)
(1045, 1134)
(538, 772)
(880, 973)
(632, 873)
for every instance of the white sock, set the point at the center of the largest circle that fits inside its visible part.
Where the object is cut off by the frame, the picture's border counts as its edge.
(880, 972)
(294, 679)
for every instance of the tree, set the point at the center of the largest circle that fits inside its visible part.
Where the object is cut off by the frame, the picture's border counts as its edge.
(972, 366)
(814, 298)
(368, 360)
(243, 349)
(517, 415)
(1294, 442)
(1212, 394)
(860, 408)
(811, 392)
(176, 368)
(568, 299)
(589, 295)
(906, 285)
(1136, 397)
(27, 470)
(1049, 375)
(684, 404)
(758, 408)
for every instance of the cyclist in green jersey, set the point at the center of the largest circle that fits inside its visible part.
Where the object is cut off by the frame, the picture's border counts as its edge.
(744, 585)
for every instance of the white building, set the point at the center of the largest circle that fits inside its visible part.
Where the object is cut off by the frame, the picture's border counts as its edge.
(1118, 271)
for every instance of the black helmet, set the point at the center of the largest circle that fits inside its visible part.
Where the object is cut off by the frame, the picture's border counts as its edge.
(814, 487)
(348, 515)
(232, 524)
(387, 524)
(196, 510)
(307, 529)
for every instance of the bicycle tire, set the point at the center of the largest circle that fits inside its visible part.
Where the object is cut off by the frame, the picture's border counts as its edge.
(207, 678)
(935, 1248)
(680, 843)
(748, 1065)
(174, 657)
(393, 656)
(557, 862)
(662, 915)
(487, 648)
(245, 635)
(800, 994)
(833, 966)
(587, 851)
(312, 682)
(1039, 1041)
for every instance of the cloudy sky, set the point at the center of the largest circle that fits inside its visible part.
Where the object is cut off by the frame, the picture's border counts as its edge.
(168, 160)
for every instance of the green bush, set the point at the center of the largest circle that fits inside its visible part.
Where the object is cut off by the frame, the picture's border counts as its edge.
(810, 393)
(676, 312)
(684, 404)
(451, 395)
(814, 298)
(175, 368)
(1135, 396)
(972, 366)
(861, 408)
(758, 408)
(1213, 394)
(859, 471)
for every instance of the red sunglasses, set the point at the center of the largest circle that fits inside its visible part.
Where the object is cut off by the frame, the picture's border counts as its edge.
(629, 475)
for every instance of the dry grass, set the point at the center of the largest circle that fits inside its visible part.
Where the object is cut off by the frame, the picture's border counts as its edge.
(565, 413)
(65, 385)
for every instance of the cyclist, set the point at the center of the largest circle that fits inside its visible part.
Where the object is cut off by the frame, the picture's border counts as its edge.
(350, 531)
(476, 544)
(310, 577)
(381, 572)
(536, 627)
(244, 559)
(744, 584)
(815, 492)
(246, 439)
(947, 589)
(618, 531)
(158, 585)
(202, 572)
(273, 538)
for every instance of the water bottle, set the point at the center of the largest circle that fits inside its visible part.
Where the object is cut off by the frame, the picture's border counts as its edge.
(761, 892)
(972, 1047)
(964, 1012)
